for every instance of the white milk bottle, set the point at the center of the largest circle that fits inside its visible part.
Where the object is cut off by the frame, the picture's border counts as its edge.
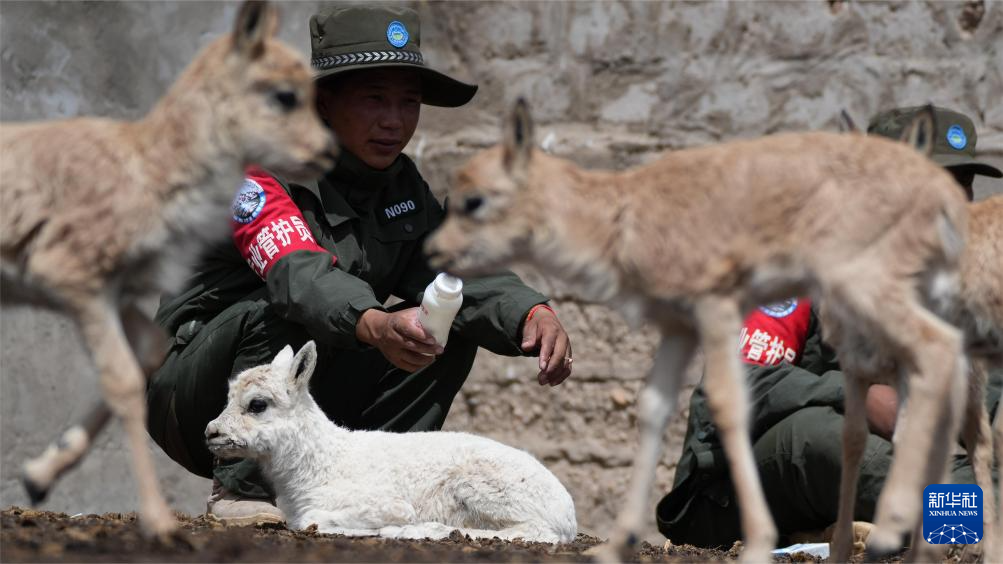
(442, 300)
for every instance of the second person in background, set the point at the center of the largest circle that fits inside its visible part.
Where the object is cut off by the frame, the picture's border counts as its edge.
(797, 392)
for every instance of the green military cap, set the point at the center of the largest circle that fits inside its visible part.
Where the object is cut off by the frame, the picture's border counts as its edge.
(378, 36)
(954, 138)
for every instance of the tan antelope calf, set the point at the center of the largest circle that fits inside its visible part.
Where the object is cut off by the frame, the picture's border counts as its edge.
(99, 213)
(981, 319)
(694, 240)
(979, 312)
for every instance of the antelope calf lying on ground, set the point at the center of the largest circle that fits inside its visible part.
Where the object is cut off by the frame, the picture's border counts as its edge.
(99, 213)
(400, 485)
(694, 240)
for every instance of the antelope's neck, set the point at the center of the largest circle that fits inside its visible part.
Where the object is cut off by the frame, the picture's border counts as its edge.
(305, 456)
(587, 218)
(185, 142)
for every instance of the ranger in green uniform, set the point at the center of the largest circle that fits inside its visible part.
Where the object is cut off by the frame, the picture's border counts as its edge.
(796, 410)
(319, 261)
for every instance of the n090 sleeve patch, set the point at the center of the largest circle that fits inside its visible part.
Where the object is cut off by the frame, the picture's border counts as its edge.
(267, 224)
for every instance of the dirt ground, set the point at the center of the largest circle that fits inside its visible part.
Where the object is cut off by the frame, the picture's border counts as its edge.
(41, 536)
(27, 535)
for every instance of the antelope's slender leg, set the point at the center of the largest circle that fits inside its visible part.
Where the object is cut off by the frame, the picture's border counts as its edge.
(124, 389)
(41, 473)
(719, 321)
(656, 405)
(854, 443)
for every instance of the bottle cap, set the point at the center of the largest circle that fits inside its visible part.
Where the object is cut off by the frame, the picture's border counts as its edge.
(448, 286)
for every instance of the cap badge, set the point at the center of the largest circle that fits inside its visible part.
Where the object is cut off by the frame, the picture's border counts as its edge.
(397, 34)
(956, 137)
(780, 309)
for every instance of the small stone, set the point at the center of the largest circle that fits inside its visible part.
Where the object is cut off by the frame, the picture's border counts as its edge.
(79, 536)
(621, 398)
(457, 536)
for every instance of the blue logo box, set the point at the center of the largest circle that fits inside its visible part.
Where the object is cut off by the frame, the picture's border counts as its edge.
(952, 514)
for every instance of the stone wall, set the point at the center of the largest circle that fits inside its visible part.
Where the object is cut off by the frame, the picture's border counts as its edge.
(610, 85)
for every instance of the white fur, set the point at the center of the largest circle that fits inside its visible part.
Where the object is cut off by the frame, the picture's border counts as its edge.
(400, 485)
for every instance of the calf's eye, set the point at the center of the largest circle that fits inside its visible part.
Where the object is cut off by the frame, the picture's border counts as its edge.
(257, 405)
(472, 204)
(286, 99)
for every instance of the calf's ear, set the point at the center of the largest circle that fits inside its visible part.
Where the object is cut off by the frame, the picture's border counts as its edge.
(518, 140)
(920, 131)
(303, 364)
(256, 22)
(282, 361)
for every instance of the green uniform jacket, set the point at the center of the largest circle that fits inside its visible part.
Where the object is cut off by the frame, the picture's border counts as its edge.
(775, 392)
(375, 223)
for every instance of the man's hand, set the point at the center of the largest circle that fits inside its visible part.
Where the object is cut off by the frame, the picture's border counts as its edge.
(882, 410)
(543, 333)
(399, 337)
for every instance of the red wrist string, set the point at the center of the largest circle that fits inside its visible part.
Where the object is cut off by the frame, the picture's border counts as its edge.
(533, 309)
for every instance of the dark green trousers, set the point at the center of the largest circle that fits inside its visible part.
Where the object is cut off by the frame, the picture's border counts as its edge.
(356, 389)
(799, 463)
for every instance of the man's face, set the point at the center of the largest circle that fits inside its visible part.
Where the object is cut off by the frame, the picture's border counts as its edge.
(373, 112)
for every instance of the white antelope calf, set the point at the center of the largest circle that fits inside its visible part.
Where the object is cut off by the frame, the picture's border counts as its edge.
(365, 483)
(694, 240)
(98, 214)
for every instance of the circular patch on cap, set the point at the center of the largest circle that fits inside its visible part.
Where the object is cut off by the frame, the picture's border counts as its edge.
(397, 34)
(249, 202)
(956, 137)
(780, 309)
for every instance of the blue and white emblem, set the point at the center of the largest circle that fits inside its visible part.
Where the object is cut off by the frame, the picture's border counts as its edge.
(956, 137)
(249, 202)
(952, 513)
(397, 34)
(780, 309)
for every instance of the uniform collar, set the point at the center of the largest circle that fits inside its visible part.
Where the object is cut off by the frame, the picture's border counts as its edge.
(352, 187)
(359, 183)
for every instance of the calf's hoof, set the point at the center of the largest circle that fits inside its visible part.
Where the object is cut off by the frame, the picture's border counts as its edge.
(619, 548)
(881, 544)
(159, 523)
(36, 492)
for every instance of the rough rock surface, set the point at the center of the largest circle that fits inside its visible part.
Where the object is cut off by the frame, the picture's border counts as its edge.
(610, 83)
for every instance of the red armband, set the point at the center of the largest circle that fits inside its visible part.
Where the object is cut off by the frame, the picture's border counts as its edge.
(533, 309)
(776, 333)
(267, 224)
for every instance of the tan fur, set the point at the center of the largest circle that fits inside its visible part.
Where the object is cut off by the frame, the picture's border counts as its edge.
(982, 276)
(982, 321)
(694, 240)
(979, 312)
(97, 213)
